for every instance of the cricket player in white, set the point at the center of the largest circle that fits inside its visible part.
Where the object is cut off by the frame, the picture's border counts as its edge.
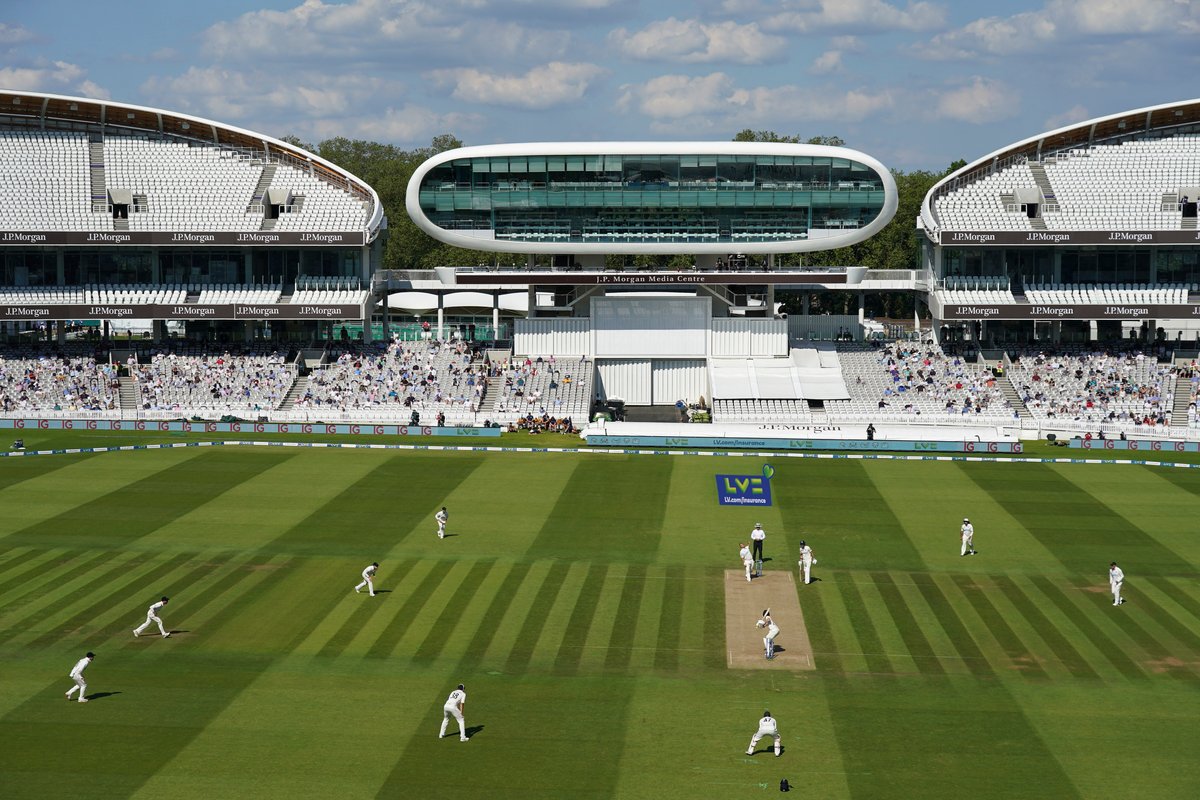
(442, 517)
(766, 727)
(968, 537)
(747, 559)
(152, 616)
(1115, 578)
(772, 632)
(454, 708)
(806, 561)
(368, 578)
(77, 676)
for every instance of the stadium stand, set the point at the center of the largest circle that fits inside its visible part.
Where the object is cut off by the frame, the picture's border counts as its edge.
(254, 380)
(44, 181)
(552, 386)
(59, 382)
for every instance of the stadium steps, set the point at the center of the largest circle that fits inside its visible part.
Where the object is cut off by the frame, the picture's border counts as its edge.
(129, 394)
(260, 189)
(1188, 223)
(1183, 397)
(1049, 199)
(1013, 396)
(1170, 202)
(99, 184)
(297, 390)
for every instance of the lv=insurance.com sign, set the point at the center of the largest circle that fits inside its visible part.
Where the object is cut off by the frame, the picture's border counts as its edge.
(745, 490)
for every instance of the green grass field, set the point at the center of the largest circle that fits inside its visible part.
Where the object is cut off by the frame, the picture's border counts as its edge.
(579, 598)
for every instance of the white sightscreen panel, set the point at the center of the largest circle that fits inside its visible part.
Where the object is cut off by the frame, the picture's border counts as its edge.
(626, 379)
(650, 326)
(544, 337)
(775, 381)
(679, 379)
(731, 379)
(736, 336)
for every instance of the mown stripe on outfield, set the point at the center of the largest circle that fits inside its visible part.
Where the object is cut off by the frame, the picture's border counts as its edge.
(620, 642)
(494, 617)
(409, 611)
(1059, 644)
(340, 640)
(1074, 525)
(535, 619)
(1020, 658)
(869, 642)
(1164, 619)
(431, 646)
(907, 625)
(1180, 597)
(15, 471)
(714, 618)
(608, 511)
(119, 517)
(968, 649)
(1115, 655)
(670, 619)
(570, 651)
(45, 562)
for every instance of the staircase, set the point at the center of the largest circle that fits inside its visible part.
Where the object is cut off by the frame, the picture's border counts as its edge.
(1013, 397)
(99, 185)
(129, 397)
(258, 196)
(295, 393)
(1049, 199)
(1183, 398)
(1188, 223)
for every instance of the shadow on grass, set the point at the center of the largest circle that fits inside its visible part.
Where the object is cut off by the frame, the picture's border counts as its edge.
(101, 695)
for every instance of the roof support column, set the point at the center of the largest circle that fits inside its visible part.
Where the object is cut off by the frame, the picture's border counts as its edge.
(495, 316)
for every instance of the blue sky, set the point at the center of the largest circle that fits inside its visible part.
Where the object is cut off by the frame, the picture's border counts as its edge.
(916, 84)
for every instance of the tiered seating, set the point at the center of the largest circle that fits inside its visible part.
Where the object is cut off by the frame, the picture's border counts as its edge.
(1080, 384)
(1121, 186)
(426, 377)
(59, 382)
(761, 411)
(558, 387)
(977, 206)
(251, 381)
(187, 187)
(134, 293)
(1108, 293)
(324, 207)
(44, 181)
(42, 295)
(909, 380)
(983, 289)
(231, 293)
(328, 291)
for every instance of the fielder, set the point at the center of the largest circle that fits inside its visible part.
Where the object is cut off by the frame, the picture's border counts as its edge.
(772, 632)
(968, 538)
(747, 559)
(442, 517)
(77, 676)
(152, 616)
(1115, 578)
(454, 708)
(368, 580)
(766, 727)
(806, 561)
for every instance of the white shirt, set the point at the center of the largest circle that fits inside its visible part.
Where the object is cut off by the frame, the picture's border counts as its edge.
(442, 516)
(806, 553)
(767, 725)
(744, 554)
(369, 571)
(80, 666)
(456, 697)
(758, 534)
(772, 628)
(1115, 576)
(968, 530)
(150, 611)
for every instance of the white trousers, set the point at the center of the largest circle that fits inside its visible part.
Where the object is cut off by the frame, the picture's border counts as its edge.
(761, 733)
(968, 544)
(447, 713)
(151, 618)
(749, 563)
(806, 565)
(1116, 590)
(370, 584)
(80, 685)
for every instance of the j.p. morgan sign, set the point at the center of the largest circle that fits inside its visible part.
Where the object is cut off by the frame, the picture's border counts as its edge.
(297, 311)
(1034, 238)
(1035, 311)
(184, 238)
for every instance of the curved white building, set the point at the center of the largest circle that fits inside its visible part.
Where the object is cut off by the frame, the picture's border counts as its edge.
(651, 197)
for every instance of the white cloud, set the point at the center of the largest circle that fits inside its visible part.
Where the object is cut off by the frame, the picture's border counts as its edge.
(57, 77)
(554, 84)
(1061, 20)
(681, 101)
(13, 34)
(690, 41)
(805, 16)
(408, 124)
(978, 101)
(1072, 115)
(366, 30)
(829, 61)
